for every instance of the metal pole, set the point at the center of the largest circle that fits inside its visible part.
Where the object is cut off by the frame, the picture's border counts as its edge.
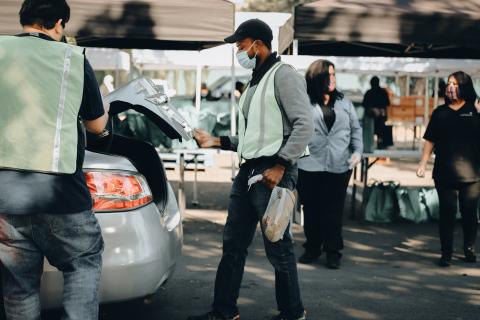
(426, 112)
(354, 193)
(198, 91)
(435, 90)
(364, 180)
(233, 111)
(181, 186)
(397, 84)
(117, 71)
(195, 190)
(407, 87)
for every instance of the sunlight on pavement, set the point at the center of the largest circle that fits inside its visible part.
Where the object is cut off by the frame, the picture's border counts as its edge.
(360, 246)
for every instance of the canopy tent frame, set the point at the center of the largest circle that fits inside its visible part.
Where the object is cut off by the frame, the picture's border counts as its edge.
(399, 28)
(384, 28)
(141, 24)
(145, 24)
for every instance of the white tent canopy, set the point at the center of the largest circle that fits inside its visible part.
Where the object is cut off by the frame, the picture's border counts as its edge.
(108, 59)
(221, 57)
(391, 66)
(218, 57)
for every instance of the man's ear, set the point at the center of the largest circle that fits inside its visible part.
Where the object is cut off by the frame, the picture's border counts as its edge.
(59, 26)
(58, 30)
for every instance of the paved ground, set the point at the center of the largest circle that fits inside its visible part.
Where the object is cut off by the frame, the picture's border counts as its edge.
(388, 271)
(402, 170)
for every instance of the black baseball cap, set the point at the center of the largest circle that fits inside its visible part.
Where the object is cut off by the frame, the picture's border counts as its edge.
(253, 28)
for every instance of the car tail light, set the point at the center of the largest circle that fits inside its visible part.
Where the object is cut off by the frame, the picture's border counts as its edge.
(117, 191)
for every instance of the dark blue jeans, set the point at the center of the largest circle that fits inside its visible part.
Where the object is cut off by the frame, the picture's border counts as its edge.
(245, 210)
(72, 243)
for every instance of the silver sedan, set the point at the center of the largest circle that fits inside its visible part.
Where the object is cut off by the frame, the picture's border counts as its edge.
(133, 201)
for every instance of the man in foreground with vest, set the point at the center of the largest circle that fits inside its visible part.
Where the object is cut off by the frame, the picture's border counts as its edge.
(47, 89)
(275, 126)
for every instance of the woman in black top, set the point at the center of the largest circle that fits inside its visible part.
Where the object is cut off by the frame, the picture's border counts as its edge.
(454, 135)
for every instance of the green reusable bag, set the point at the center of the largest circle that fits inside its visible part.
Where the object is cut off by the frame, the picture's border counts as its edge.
(368, 131)
(381, 206)
(410, 204)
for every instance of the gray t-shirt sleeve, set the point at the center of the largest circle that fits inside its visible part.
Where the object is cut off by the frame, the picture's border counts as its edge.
(291, 94)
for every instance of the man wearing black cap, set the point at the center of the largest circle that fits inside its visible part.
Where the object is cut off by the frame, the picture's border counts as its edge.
(275, 126)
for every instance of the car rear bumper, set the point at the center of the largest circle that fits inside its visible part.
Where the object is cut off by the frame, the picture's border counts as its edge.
(141, 249)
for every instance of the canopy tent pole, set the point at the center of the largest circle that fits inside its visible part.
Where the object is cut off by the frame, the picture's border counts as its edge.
(407, 87)
(397, 84)
(198, 86)
(233, 111)
(117, 70)
(435, 90)
(426, 112)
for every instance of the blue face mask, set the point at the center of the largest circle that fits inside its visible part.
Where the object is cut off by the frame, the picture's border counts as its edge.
(245, 61)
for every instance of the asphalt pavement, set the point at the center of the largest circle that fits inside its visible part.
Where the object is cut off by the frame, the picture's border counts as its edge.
(388, 272)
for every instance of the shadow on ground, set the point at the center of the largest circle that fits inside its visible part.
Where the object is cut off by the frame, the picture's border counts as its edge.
(388, 272)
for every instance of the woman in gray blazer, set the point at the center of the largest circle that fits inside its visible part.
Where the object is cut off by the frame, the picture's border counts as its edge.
(336, 147)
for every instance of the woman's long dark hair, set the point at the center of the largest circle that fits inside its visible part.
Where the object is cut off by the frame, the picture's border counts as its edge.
(318, 79)
(466, 91)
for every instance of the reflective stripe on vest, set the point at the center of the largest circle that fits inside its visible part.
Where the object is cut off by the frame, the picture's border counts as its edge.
(262, 134)
(41, 88)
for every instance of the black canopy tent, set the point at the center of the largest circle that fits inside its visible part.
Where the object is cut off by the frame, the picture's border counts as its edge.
(146, 24)
(387, 28)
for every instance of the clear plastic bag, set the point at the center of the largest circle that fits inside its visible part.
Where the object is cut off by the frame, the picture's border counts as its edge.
(276, 219)
(277, 216)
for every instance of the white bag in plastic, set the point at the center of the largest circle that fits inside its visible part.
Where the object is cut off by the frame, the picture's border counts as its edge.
(277, 215)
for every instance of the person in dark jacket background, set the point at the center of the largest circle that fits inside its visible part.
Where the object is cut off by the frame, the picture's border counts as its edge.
(375, 103)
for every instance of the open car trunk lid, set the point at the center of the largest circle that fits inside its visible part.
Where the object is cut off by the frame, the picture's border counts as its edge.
(143, 96)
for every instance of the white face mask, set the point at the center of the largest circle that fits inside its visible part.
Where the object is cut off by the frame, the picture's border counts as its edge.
(245, 61)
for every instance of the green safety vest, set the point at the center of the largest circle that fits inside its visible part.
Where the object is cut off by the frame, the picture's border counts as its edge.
(41, 89)
(261, 134)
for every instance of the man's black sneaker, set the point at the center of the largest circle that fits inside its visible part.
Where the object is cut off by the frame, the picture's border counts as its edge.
(445, 261)
(282, 317)
(212, 315)
(470, 256)
(308, 257)
(333, 260)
